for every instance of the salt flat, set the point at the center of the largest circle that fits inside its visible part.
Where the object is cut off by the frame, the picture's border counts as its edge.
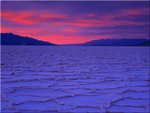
(75, 79)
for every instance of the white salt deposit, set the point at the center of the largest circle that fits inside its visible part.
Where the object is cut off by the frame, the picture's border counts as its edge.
(75, 79)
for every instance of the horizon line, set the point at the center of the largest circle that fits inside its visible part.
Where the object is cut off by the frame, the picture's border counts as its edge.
(71, 43)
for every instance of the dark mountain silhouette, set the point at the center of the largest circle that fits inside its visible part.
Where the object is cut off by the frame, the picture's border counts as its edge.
(145, 43)
(117, 42)
(13, 39)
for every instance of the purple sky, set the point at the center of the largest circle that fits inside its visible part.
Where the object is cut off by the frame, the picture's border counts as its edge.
(76, 22)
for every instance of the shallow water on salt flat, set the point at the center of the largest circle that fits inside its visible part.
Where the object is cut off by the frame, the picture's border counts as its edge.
(75, 79)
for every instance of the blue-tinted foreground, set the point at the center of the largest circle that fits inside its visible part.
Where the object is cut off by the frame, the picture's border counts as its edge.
(75, 79)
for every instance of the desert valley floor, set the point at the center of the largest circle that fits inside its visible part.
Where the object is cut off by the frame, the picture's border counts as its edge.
(72, 79)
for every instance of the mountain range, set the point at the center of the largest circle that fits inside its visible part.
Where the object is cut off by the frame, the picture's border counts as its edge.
(13, 39)
(118, 42)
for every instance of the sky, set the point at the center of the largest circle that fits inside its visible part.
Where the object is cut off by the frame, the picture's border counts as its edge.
(71, 22)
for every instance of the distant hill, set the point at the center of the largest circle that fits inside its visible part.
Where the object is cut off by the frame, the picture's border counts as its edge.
(117, 42)
(145, 43)
(13, 39)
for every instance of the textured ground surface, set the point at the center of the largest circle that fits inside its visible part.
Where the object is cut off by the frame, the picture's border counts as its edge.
(75, 79)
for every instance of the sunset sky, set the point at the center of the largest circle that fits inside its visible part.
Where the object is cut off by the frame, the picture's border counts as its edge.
(76, 22)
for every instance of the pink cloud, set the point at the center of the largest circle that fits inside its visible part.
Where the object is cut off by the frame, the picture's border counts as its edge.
(63, 32)
(126, 13)
(70, 30)
(34, 17)
(29, 18)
